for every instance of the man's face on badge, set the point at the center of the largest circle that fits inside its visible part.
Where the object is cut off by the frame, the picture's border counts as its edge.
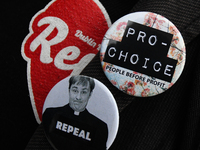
(78, 96)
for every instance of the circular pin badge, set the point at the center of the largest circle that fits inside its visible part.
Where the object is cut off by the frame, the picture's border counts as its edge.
(80, 113)
(143, 54)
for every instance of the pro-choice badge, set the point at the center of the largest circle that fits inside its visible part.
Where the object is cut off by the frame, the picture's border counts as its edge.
(143, 54)
(80, 113)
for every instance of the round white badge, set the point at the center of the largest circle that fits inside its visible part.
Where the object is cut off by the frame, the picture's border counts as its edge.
(143, 54)
(80, 113)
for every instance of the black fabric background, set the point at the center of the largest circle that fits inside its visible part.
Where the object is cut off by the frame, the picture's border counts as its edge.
(17, 119)
(169, 121)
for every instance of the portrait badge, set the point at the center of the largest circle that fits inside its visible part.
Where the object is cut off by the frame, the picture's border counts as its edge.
(80, 113)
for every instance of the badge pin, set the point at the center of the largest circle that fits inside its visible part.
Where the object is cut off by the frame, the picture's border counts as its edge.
(63, 38)
(80, 113)
(143, 54)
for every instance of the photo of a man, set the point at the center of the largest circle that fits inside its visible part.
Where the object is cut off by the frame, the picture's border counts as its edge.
(72, 126)
(80, 90)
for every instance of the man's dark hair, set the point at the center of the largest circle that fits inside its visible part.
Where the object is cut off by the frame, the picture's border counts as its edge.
(83, 80)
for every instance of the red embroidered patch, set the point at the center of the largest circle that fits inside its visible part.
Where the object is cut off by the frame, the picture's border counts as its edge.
(63, 39)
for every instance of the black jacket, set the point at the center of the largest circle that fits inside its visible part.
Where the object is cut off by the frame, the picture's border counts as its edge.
(169, 121)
